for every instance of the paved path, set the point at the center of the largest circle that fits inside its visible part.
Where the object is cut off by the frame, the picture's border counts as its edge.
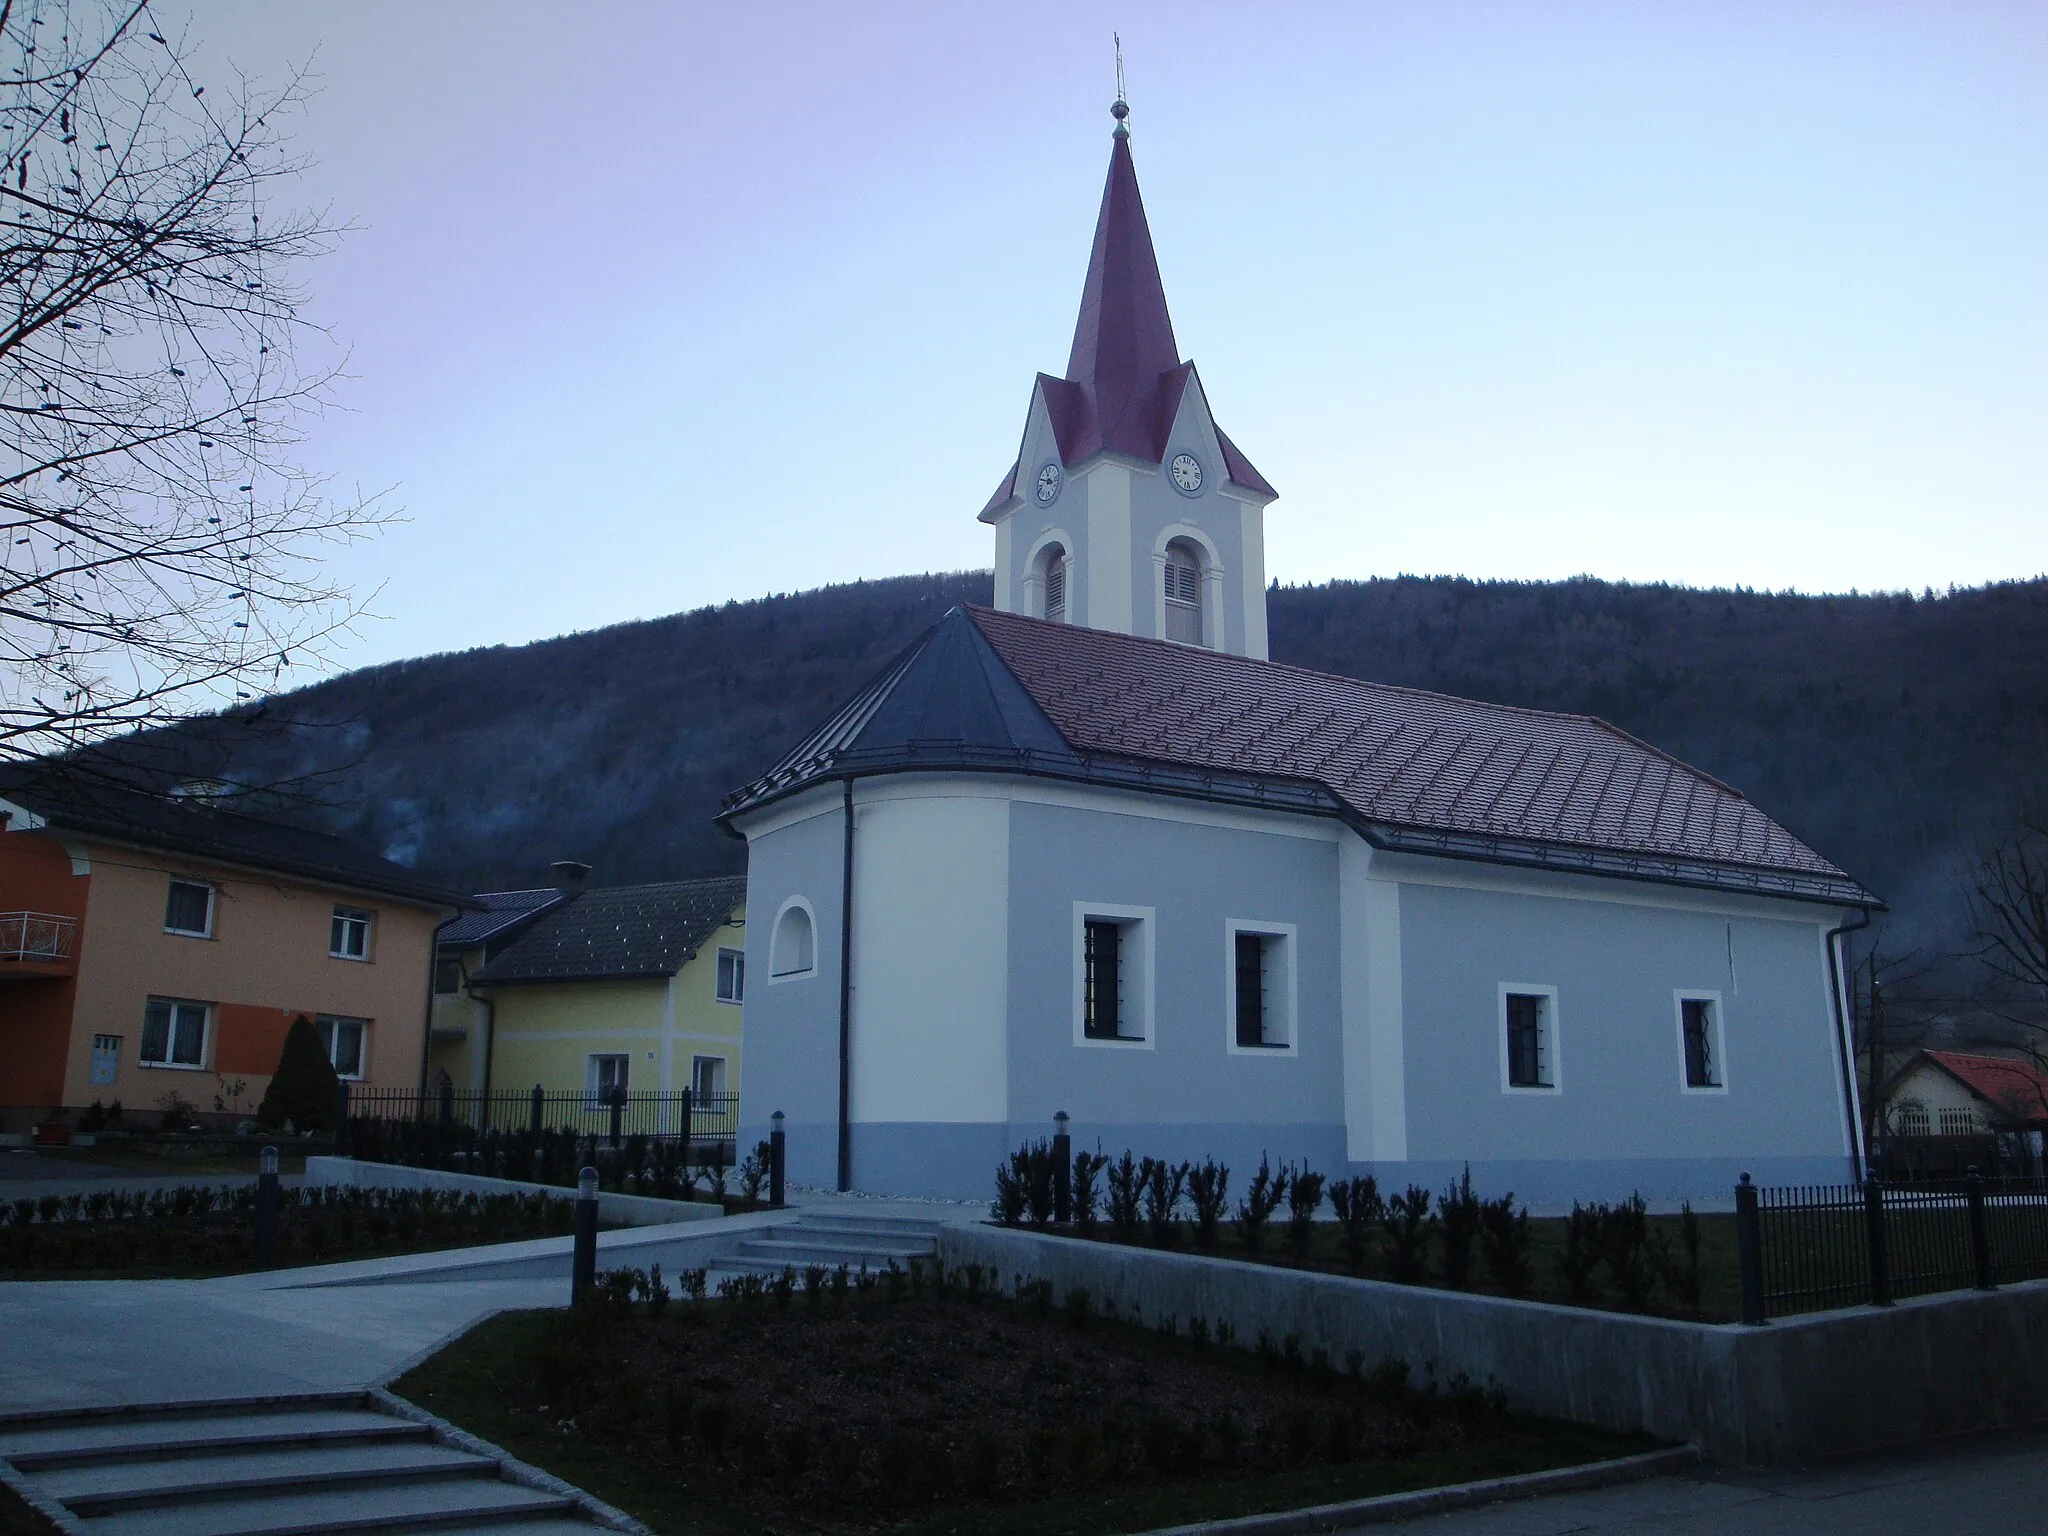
(1987, 1484)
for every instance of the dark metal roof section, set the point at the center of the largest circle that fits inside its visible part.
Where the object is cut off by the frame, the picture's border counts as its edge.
(1411, 771)
(1125, 378)
(499, 913)
(94, 806)
(618, 933)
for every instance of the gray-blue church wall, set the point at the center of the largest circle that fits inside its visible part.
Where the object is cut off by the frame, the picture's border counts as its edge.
(792, 1023)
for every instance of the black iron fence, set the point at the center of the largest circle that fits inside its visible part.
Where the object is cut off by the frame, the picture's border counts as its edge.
(1807, 1248)
(611, 1116)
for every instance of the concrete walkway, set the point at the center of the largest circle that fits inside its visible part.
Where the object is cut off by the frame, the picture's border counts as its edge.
(1984, 1484)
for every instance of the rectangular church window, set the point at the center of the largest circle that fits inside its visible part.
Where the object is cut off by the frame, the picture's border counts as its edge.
(1102, 981)
(1261, 999)
(1531, 1046)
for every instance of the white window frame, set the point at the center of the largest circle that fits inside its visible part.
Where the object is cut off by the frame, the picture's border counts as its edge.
(594, 1096)
(718, 1063)
(1035, 569)
(1717, 1042)
(775, 930)
(1553, 1038)
(1142, 921)
(739, 970)
(348, 917)
(212, 904)
(206, 1012)
(328, 1025)
(1280, 937)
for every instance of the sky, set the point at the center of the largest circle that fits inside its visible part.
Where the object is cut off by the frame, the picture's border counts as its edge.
(650, 306)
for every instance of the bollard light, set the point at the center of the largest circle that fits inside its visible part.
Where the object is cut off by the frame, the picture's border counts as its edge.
(776, 1119)
(586, 1184)
(268, 1161)
(1059, 1123)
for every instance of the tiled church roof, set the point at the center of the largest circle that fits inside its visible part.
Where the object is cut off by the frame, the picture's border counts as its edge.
(1411, 770)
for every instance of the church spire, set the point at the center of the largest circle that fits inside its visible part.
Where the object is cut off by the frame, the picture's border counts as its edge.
(1123, 340)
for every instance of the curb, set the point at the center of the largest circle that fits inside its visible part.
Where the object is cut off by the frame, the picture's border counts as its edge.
(1429, 1501)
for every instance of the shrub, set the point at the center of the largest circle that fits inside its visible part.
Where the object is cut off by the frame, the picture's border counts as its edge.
(1209, 1193)
(1164, 1182)
(1304, 1199)
(1458, 1218)
(304, 1089)
(1504, 1238)
(1126, 1196)
(1078, 1306)
(1038, 1182)
(1681, 1272)
(1407, 1227)
(1625, 1249)
(754, 1172)
(1359, 1209)
(1088, 1167)
(1261, 1199)
(1581, 1249)
(1013, 1184)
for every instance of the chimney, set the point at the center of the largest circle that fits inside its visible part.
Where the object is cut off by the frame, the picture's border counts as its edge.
(569, 875)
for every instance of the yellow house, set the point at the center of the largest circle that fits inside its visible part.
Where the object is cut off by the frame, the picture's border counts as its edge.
(639, 987)
(459, 1033)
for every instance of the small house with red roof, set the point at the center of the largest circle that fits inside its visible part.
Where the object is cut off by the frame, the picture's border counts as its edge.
(1950, 1107)
(1090, 851)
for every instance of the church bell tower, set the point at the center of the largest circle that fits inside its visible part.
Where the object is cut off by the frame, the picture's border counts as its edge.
(1128, 509)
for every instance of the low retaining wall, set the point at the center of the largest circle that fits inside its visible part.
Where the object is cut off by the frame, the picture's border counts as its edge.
(1830, 1382)
(630, 1210)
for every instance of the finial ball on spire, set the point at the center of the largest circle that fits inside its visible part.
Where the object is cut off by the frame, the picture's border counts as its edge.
(1119, 109)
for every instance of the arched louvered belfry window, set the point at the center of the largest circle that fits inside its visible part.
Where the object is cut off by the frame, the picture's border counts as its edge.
(1183, 576)
(1053, 569)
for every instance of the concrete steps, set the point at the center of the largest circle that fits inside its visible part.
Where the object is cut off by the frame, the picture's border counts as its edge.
(832, 1238)
(278, 1469)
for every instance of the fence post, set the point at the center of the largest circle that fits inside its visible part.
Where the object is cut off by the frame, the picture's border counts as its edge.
(341, 1120)
(266, 1210)
(539, 1110)
(776, 1151)
(1980, 1230)
(689, 1130)
(618, 1100)
(1062, 1170)
(1880, 1257)
(1749, 1252)
(447, 1101)
(583, 1272)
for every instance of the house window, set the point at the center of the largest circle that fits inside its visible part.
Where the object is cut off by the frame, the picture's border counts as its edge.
(189, 910)
(602, 1075)
(1959, 1122)
(1529, 1059)
(1261, 999)
(793, 949)
(106, 1060)
(707, 1077)
(732, 976)
(447, 977)
(343, 1041)
(174, 1033)
(1699, 1041)
(1112, 975)
(348, 936)
(1912, 1120)
(1183, 594)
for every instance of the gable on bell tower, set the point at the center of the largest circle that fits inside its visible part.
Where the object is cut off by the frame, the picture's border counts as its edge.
(1128, 508)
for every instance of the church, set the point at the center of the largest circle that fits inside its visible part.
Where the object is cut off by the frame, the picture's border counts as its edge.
(1090, 851)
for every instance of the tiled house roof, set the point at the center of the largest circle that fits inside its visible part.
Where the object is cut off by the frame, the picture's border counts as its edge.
(2016, 1089)
(1411, 770)
(97, 807)
(497, 912)
(619, 932)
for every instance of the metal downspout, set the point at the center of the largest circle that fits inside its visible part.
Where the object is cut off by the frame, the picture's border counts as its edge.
(846, 1001)
(1845, 1045)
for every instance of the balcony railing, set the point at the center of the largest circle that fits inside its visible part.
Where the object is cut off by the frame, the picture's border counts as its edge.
(39, 937)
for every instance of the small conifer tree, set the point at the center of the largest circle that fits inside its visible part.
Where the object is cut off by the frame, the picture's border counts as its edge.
(305, 1088)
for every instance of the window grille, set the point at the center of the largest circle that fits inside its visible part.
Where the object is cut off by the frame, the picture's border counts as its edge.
(1701, 1068)
(189, 909)
(1528, 1056)
(1251, 989)
(1102, 980)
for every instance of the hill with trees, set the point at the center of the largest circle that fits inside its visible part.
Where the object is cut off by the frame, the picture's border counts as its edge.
(1892, 732)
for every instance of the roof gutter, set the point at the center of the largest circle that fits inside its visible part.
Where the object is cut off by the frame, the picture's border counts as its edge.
(1844, 1041)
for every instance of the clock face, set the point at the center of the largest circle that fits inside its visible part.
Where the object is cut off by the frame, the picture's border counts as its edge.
(1187, 472)
(1048, 483)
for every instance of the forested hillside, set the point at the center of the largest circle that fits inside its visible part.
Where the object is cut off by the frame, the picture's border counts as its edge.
(1889, 731)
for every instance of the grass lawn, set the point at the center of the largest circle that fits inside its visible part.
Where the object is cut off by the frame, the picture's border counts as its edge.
(1662, 1261)
(197, 1232)
(899, 1407)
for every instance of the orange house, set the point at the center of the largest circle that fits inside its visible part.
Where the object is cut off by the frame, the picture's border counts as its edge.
(154, 950)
